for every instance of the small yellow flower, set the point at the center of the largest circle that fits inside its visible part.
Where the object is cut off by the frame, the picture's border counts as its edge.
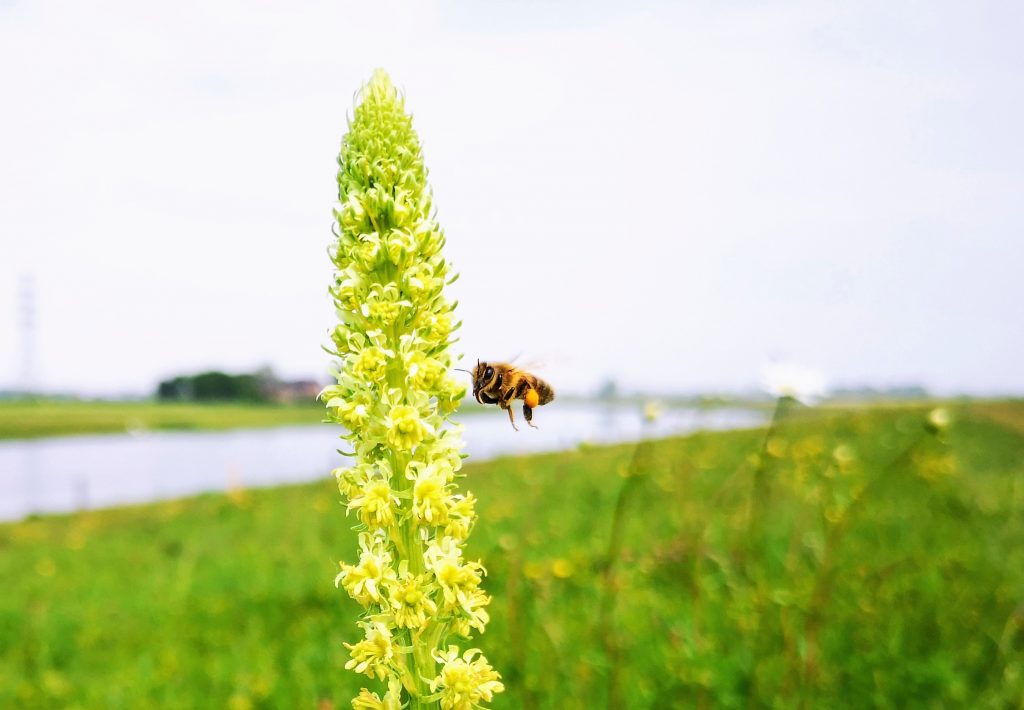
(352, 216)
(428, 494)
(350, 481)
(349, 290)
(424, 372)
(373, 654)
(375, 504)
(399, 244)
(447, 451)
(461, 515)
(419, 281)
(383, 304)
(353, 413)
(371, 701)
(473, 604)
(331, 392)
(364, 581)
(456, 577)
(562, 568)
(429, 236)
(436, 326)
(450, 393)
(410, 599)
(464, 682)
(371, 364)
(367, 701)
(405, 428)
(459, 626)
(369, 252)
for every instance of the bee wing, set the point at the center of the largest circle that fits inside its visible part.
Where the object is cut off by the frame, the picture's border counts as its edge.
(531, 364)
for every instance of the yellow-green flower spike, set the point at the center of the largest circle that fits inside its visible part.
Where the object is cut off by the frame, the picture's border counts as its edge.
(393, 396)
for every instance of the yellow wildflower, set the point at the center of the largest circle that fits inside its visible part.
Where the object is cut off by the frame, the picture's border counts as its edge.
(371, 701)
(410, 599)
(464, 682)
(473, 604)
(399, 245)
(375, 504)
(369, 252)
(363, 582)
(461, 515)
(394, 394)
(353, 413)
(367, 701)
(371, 364)
(424, 372)
(405, 428)
(373, 654)
(428, 493)
(455, 577)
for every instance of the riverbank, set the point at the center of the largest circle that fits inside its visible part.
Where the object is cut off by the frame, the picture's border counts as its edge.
(871, 554)
(35, 419)
(32, 419)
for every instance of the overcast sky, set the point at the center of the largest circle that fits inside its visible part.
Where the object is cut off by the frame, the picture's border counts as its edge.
(674, 195)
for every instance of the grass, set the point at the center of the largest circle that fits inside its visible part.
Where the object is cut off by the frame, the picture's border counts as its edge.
(25, 419)
(849, 559)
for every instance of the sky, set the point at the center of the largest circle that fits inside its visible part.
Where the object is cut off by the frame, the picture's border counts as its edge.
(674, 196)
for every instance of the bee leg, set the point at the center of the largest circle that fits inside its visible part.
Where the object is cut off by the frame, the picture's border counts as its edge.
(511, 417)
(528, 413)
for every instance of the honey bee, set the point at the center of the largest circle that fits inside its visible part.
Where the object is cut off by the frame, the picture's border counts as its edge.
(500, 383)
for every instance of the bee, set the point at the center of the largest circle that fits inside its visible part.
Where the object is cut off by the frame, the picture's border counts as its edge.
(501, 384)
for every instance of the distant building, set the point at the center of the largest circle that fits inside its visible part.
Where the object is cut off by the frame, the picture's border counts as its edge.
(293, 391)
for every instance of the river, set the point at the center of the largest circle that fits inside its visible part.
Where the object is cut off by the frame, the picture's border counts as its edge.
(94, 471)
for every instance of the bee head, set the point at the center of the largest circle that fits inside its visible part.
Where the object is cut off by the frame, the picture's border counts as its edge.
(477, 373)
(478, 378)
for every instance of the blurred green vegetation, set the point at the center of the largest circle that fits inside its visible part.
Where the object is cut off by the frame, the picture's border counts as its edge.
(215, 386)
(847, 559)
(24, 418)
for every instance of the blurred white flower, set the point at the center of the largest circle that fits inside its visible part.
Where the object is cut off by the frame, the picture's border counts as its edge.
(786, 379)
(652, 410)
(939, 419)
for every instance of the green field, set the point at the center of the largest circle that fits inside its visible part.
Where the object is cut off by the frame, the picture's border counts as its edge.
(26, 419)
(849, 559)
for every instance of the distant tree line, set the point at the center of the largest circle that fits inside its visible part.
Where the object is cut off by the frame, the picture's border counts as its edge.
(214, 386)
(868, 392)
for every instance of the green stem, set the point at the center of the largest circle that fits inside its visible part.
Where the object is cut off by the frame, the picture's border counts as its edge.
(610, 581)
(760, 487)
(422, 664)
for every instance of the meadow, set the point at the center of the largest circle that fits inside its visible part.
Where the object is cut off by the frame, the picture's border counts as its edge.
(27, 419)
(862, 558)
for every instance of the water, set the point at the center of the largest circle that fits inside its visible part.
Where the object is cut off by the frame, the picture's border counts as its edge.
(80, 472)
